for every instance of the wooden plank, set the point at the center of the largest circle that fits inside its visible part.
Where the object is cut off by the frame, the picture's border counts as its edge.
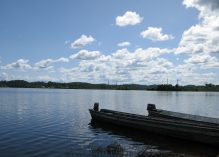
(168, 127)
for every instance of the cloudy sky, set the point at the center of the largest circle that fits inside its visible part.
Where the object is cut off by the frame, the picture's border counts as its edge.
(120, 41)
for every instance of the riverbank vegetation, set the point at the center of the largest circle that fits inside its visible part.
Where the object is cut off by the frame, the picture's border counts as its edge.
(84, 85)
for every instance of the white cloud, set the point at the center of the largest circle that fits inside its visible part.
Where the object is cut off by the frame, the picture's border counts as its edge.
(121, 66)
(124, 44)
(4, 76)
(129, 18)
(104, 58)
(203, 61)
(86, 55)
(155, 34)
(140, 54)
(201, 44)
(206, 7)
(62, 59)
(82, 41)
(191, 76)
(203, 37)
(19, 64)
(46, 63)
(46, 78)
(121, 54)
(43, 63)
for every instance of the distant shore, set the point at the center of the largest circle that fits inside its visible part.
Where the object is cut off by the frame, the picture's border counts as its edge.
(84, 85)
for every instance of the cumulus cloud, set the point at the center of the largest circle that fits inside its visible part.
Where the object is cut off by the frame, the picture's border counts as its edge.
(200, 43)
(62, 59)
(203, 60)
(46, 78)
(43, 63)
(4, 76)
(197, 59)
(19, 64)
(104, 58)
(82, 41)
(155, 34)
(86, 55)
(129, 18)
(124, 44)
(196, 78)
(121, 54)
(151, 65)
(121, 66)
(46, 63)
(206, 7)
(203, 37)
(123, 58)
(145, 66)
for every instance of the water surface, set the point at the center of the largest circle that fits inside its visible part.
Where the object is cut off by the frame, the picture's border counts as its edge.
(56, 122)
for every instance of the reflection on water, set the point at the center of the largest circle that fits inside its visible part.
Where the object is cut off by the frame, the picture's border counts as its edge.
(156, 141)
(56, 122)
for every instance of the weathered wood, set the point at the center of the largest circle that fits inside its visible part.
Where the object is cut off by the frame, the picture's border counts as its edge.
(190, 130)
(182, 117)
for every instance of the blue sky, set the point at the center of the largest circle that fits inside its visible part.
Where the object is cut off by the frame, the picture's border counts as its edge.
(123, 41)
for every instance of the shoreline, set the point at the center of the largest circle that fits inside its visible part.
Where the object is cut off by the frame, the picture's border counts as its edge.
(101, 86)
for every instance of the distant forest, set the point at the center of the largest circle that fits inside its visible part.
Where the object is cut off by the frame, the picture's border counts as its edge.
(82, 85)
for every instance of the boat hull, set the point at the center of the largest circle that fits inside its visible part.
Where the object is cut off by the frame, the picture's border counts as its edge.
(182, 117)
(156, 125)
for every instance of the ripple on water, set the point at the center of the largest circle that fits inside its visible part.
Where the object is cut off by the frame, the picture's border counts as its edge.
(38, 122)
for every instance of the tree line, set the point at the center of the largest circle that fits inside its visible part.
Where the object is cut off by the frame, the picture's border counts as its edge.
(84, 85)
(71, 85)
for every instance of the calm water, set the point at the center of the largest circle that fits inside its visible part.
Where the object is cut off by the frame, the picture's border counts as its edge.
(56, 122)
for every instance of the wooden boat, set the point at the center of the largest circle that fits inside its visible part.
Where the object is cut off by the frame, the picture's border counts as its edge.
(153, 112)
(183, 129)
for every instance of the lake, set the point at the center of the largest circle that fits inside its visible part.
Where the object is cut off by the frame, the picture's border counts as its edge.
(56, 122)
